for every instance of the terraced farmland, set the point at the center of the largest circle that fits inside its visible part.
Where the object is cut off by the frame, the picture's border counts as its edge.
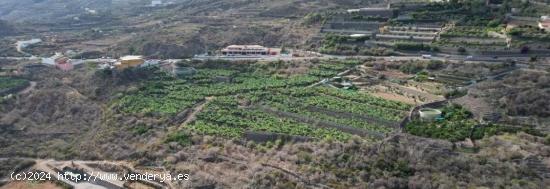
(257, 102)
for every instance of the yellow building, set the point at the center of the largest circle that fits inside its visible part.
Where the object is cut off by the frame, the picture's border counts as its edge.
(129, 61)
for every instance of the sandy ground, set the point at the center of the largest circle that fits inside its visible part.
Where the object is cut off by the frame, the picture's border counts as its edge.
(394, 97)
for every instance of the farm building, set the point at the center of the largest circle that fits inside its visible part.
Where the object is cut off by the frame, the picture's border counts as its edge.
(129, 61)
(248, 50)
(60, 61)
(63, 63)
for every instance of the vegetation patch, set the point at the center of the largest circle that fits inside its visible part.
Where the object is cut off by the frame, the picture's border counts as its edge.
(7, 83)
(456, 125)
(181, 137)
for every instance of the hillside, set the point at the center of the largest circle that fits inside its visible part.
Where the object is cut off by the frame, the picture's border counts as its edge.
(6, 28)
(176, 30)
(84, 115)
(275, 93)
(47, 10)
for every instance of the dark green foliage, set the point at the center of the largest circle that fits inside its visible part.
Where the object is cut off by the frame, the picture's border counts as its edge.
(181, 137)
(529, 33)
(547, 140)
(421, 76)
(397, 168)
(132, 50)
(494, 23)
(141, 129)
(456, 125)
(9, 82)
(461, 50)
(314, 18)
(332, 40)
(411, 67)
(346, 45)
(415, 47)
(455, 93)
(435, 65)
(104, 73)
(533, 59)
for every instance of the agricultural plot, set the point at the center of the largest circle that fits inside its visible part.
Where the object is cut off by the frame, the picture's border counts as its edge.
(473, 36)
(457, 124)
(328, 104)
(255, 101)
(169, 96)
(7, 83)
(366, 115)
(327, 69)
(222, 117)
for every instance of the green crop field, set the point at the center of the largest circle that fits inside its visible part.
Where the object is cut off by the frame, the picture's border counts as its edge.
(8, 82)
(253, 100)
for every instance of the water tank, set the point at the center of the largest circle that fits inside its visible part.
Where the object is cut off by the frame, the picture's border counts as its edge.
(429, 114)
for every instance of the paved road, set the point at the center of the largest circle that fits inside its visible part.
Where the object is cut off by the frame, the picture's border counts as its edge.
(403, 56)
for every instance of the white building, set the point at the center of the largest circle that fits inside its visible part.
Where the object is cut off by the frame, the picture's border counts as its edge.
(249, 50)
(24, 44)
(155, 3)
(544, 23)
(51, 60)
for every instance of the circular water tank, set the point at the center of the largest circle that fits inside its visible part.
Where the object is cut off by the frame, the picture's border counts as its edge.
(429, 114)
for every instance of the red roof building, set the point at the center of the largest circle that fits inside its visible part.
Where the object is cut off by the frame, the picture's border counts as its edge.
(544, 23)
(63, 63)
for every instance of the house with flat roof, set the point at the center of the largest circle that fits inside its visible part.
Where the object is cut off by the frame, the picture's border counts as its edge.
(129, 61)
(544, 23)
(248, 50)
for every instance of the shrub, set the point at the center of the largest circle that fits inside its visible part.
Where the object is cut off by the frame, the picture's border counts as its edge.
(141, 129)
(181, 137)
(456, 125)
(415, 47)
(494, 23)
(455, 93)
(434, 65)
(461, 50)
(547, 140)
(411, 67)
(8, 82)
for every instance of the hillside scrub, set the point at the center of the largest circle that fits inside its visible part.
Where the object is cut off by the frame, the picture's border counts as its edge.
(415, 47)
(522, 93)
(400, 161)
